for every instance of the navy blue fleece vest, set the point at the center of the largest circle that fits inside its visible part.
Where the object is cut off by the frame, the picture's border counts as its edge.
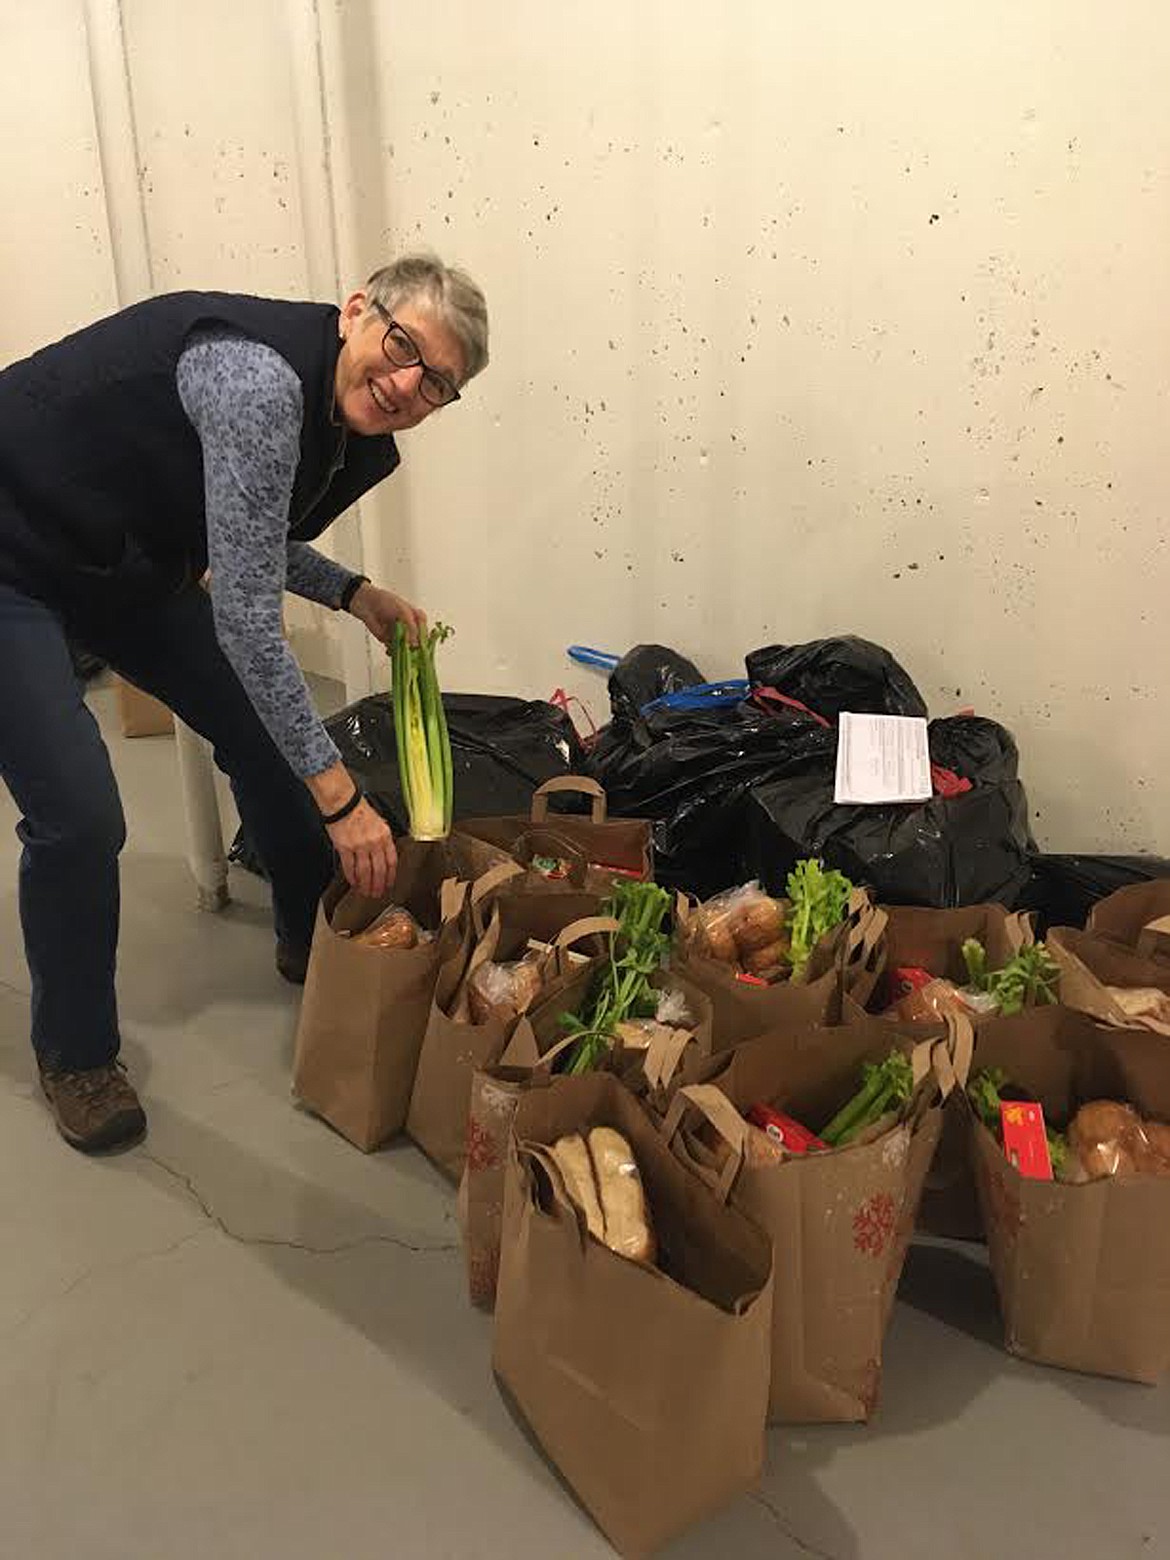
(101, 473)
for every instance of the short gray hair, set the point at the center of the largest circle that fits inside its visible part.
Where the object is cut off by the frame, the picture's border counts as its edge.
(444, 290)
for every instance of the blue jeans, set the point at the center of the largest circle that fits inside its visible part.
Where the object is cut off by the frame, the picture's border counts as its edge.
(55, 764)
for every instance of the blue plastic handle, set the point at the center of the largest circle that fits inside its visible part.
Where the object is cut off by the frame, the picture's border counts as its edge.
(702, 696)
(585, 656)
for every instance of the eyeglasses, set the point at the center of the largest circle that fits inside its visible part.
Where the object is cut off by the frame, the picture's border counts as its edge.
(402, 352)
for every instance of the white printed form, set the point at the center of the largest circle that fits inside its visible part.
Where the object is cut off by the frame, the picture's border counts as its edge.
(882, 758)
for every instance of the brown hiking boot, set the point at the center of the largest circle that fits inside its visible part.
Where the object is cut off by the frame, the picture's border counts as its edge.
(292, 962)
(94, 1109)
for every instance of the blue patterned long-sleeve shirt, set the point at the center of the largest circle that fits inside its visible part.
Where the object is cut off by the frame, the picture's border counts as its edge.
(245, 402)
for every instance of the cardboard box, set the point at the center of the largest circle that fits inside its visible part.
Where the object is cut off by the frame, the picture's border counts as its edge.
(140, 715)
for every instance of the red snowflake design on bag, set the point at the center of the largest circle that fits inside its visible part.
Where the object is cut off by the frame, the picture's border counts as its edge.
(873, 1224)
(871, 1386)
(483, 1271)
(482, 1153)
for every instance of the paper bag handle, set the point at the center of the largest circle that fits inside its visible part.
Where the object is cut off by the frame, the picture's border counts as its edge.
(868, 923)
(1020, 930)
(580, 785)
(952, 1057)
(484, 887)
(522, 1050)
(483, 953)
(577, 931)
(712, 1103)
(494, 878)
(664, 1054)
(685, 909)
(565, 1208)
(452, 898)
(587, 926)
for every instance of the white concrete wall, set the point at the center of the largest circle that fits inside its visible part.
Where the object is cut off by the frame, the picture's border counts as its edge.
(805, 319)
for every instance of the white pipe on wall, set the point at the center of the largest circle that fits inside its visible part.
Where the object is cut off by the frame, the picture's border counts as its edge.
(117, 140)
(318, 202)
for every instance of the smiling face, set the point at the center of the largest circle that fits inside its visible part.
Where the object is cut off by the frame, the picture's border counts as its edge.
(372, 396)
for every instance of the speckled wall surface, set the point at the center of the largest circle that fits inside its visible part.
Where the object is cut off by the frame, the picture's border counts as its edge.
(805, 319)
(811, 319)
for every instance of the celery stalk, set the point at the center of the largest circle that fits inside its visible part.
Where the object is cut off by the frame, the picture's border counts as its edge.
(420, 729)
(400, 671)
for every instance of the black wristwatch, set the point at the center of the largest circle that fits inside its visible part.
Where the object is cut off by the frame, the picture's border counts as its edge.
(351, 590)
(352, 805)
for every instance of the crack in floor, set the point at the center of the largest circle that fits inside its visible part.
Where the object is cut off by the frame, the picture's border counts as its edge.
(802, 1544)
(95, 1270)
(209, 1213)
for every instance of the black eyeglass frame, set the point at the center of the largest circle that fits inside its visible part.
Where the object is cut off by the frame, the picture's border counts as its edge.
(417, 361)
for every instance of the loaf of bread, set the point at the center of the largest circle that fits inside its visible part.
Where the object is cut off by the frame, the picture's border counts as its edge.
(623, 1202)
(573, 1161)
(504, 991)
(601, 1176)
(394, 928)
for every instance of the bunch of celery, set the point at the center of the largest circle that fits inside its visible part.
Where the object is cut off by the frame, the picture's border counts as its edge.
(886, 1086)
(420, 734)
(622, 989)
(1028, 980)
(819, 902)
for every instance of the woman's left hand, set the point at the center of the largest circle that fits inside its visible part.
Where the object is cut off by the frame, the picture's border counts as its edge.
(381, 609)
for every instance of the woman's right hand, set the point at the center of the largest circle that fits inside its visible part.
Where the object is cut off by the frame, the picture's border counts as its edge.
(365, 846)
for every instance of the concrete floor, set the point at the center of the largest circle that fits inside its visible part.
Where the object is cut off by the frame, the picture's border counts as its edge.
(244, 1340)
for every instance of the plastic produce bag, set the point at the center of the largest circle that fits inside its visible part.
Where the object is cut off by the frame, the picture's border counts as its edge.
(831, 675)
(395, 927)
(963, 850)
(502, 992)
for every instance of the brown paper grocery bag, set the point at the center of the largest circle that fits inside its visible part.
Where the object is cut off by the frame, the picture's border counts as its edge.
(1136, 917)
(537, 1046)
(1083, 1272)
(675, 1055)
(453, 1047)
(595, 849)
(1090, 964)
(496, 1092)
(647, 1387)
(933, 940)
(850, 960)
(365, 1009)
(840, 1221)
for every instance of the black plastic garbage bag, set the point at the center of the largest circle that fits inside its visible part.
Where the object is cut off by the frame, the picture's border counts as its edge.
(831, 675)
(1064, 889)
(692, 771)
(646, 673)
(501, 750)
(950, 851)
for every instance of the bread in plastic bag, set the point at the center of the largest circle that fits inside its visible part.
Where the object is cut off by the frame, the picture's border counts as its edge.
(393, 928)
(739, 925)
(601, 1176)
(504, 991)
(931, 1003)
(1107, 1138)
